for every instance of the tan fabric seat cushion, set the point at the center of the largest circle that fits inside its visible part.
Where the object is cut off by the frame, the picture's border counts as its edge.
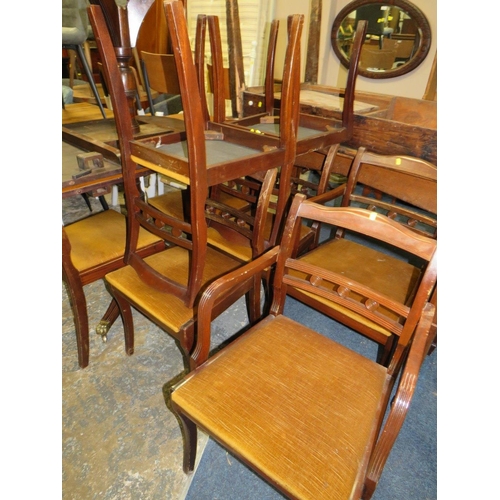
(169, 203)
(100, 239)
(243, 250)
(174, 263)
(385, 274)
(298, 405)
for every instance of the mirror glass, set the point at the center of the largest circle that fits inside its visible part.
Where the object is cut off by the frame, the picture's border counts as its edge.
(397, 41)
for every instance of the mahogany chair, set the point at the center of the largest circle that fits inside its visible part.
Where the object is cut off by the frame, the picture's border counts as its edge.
(234, 227)
(91, 248)
(314, 132)
(166, 286)
(311, 181)
(303, 411)
(172, 201)
(403, 188)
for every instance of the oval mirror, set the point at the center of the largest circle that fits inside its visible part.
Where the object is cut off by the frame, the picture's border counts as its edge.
(398, 37)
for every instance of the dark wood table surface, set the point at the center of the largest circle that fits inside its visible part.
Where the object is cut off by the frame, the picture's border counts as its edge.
(83, 131)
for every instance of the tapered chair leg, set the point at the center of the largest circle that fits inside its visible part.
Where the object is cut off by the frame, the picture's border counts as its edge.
(190, 435)
(128, 322)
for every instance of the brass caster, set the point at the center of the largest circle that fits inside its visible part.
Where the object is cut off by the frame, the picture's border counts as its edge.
(102, 329)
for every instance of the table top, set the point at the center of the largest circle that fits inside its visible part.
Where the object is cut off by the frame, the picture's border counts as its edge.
(85, 131)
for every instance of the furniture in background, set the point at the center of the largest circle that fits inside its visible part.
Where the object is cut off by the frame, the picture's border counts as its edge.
(74, 34)
(160, 76)
(303, 411)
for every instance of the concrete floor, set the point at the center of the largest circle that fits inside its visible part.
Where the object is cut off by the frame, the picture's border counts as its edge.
(120, 441)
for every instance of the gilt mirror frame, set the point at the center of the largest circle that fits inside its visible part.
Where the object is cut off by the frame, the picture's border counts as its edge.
(415, 14)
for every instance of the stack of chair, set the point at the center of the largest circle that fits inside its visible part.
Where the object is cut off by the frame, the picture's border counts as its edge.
(166, 286)
(315, 134)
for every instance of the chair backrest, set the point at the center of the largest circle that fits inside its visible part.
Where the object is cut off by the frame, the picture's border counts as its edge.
(289, 110)
(140, 213)
(354, 296)
(373, 57)
(402, 187)
(74, 21)
(160, 72)
(257, 190)
(199, 60)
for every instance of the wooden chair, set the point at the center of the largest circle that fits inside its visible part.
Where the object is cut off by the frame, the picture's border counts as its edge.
(91, 248)
(173, 200)
(160, 75)
(403, 188)
(300, 409)
(74, 35)
(311, 180)
(166, 287)
(314, 132)
(234, 197)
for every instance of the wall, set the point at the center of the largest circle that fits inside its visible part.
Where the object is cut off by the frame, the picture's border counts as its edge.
(331, 72)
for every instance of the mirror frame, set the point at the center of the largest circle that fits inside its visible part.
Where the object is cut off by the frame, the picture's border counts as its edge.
(413, 11)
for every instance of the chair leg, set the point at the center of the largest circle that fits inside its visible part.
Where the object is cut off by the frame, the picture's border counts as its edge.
(109, 317)
(85, 196)
(385, 351)
(88, 72)
(128, 322)
(79, 308)
(104, 203)
(190, 434)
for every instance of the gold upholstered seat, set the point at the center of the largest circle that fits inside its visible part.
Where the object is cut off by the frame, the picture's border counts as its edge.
(93, 247)
(403, 188)
(303, 411)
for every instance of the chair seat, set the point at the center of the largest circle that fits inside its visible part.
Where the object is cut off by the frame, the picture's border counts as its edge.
(298, 427)
(170, 203)
(388, 275)
(73, 36)
(274, 129)
(174, 263)
(242, 250)
(101, 238)
(217, 153)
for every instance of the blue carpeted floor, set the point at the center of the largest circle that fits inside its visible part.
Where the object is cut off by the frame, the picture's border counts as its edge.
(410, 472)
